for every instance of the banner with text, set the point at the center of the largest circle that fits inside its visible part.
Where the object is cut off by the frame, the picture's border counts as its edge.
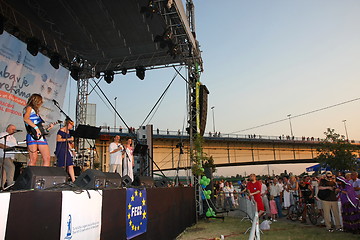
(81, 215)
(4, 203)
(136, 212)
(21, 75)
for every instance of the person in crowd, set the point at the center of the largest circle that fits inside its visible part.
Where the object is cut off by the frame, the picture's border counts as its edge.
(350, 206)
(275, 190)
(216, 193)
(7, 173)
(227, 192)
(286, 192)
(64, 151)
(221, 193)
(348, 177)
(31, 118)
(116, 155)
(355, 181)
(129, 160)
(293, 189)
(273, 209)
(306, 195)
(329, 201)
(264, 198)
(231, 186)
(254, 190)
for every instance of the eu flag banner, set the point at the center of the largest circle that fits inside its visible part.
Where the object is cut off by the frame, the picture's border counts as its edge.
(136, 212)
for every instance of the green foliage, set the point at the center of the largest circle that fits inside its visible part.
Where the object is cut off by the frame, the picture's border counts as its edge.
(199, 158)
(336, 152)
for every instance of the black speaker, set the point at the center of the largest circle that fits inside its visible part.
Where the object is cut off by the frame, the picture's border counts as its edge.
(145, 181)
(203, 108)
(91, 179)
(40, 178)
(161, 183)
(126, 181)
(112, 180)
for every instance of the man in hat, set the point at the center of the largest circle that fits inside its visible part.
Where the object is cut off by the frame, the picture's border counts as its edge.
(330, 202)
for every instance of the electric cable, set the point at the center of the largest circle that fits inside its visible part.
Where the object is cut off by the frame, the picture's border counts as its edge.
(296, 116)
(162, 95)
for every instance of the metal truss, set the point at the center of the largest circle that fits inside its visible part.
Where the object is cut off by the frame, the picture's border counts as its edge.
(81, 106)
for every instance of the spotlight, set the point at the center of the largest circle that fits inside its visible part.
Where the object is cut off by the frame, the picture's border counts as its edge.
(55, 60)
(140, 72)
(75, 72)
(2, 23)
(97, 75)
(124, 71)
(109, 76)
(33, 45)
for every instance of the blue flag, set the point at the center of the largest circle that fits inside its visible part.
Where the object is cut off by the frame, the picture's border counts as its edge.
(136, 212)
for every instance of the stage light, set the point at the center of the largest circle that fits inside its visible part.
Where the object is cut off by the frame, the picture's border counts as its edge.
(109, 76)
(33, 45)
(140, 72)
(97, 75)
(124, 71)
(2, 23)
(55, 60)
(75, 72)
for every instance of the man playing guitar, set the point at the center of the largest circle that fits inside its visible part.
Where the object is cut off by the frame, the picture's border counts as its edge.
(31, 119)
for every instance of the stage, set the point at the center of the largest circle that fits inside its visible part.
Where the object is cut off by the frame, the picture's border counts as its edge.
(40, 214)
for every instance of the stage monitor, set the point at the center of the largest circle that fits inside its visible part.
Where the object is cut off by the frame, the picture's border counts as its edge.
(40, 178)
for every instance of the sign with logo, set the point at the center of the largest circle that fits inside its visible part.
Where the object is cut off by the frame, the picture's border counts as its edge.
(81, 215)
(4, 203)
(21, 75)
(136, 212)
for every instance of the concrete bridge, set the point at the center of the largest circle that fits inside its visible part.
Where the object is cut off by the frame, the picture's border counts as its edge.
(226, 149)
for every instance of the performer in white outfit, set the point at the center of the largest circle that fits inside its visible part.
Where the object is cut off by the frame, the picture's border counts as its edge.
(129, 160)
(116, 155)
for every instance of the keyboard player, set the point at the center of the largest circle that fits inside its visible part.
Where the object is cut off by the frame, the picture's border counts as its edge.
(7, 173)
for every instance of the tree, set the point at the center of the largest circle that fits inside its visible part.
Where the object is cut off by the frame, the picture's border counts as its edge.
(336, 152)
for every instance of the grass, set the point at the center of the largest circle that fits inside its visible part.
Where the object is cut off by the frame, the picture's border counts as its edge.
(233, 228)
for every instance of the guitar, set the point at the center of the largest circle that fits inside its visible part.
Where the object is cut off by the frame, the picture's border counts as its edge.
(43, 129)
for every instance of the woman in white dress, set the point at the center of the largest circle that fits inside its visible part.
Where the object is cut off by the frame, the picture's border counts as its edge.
(128, 160)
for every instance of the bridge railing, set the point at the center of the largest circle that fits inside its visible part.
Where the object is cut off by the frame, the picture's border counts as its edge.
(161, 132)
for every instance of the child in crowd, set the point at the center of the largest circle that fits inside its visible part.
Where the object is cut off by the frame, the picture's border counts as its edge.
(273, 209)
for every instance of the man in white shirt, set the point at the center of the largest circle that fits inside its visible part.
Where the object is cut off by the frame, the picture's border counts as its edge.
(355, 181)
(275, 190)
(116, 155)
(9, 168)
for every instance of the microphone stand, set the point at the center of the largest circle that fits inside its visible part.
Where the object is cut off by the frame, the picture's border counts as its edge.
(66, 139)
(4, 154)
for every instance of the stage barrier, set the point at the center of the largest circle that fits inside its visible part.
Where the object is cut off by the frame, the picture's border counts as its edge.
(41, 214)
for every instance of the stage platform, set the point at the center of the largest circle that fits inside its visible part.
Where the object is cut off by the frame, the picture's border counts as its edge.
(40, 214)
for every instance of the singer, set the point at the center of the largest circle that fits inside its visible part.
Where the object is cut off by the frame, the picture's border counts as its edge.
(116, 155)
(32, 118)
(8, 162)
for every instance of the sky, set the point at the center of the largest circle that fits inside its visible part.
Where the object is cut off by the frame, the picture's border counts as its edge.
(263, 60)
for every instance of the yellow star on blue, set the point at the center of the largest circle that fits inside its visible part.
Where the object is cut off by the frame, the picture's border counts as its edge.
(129, 216)
(144, 214)
(130, 223)
(129, 206)
(132, 198)
(136, 193)
(140, 194)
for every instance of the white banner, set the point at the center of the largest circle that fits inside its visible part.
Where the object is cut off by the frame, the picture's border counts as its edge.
(21, 75)
(4, 203)
(81, 215)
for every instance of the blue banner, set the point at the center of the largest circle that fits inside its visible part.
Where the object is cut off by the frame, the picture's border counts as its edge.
(136, 212)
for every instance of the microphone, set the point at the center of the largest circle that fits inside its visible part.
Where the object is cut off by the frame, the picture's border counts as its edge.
(55, 102)
(18, 130)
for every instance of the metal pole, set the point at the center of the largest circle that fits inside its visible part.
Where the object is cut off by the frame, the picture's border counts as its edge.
(213, 115)
(115, 114)
(291, 130)
(346, 132)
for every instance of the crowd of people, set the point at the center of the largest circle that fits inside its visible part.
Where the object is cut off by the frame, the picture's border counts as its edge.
(335, 196)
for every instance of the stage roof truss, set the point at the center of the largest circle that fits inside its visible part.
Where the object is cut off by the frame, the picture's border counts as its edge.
(109, 35)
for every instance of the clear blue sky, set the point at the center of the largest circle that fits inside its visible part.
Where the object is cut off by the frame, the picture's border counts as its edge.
(263, 60)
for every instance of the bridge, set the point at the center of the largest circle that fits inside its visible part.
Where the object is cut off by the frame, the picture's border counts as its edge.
(226, 149)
